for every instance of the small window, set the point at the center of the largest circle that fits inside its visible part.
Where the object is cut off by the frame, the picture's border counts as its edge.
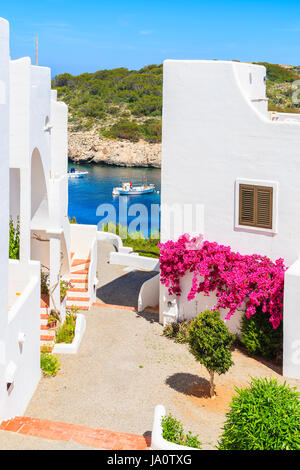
(256, 206)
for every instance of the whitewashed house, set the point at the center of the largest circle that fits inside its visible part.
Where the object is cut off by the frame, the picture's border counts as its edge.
(220, 140)
(34, 189)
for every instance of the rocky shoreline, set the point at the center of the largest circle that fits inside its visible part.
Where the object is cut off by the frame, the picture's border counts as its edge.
(90, 147)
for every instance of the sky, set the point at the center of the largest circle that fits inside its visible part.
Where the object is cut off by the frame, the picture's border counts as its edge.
(90, 35)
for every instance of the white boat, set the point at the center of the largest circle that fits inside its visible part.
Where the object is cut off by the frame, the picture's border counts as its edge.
(76, 173)
(128, 189)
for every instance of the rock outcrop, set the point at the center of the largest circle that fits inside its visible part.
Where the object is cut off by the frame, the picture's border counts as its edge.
(90, 147)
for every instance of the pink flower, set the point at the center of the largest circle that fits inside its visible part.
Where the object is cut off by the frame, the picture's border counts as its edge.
(235, 278)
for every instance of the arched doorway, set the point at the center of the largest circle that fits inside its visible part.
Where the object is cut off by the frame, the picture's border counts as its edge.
(39, 199)
(39, 211)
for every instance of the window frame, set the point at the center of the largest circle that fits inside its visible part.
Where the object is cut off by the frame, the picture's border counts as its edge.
(257, 184)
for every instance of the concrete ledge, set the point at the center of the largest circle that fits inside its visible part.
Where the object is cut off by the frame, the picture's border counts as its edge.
(134, 260)
(149, 293)
(63, 348)
(157, 440)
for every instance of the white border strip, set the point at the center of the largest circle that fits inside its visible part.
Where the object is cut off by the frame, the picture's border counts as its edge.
(63, 348)
(157, 440)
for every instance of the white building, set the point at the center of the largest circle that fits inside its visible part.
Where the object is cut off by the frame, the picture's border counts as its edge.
(237, 166)
(34, 188)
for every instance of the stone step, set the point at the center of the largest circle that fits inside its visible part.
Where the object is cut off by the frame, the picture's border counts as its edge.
(47, 337)
(79, 283)
(80, 262)
(47, 344)
(76, 305)
(77, 271)
(45, 303)
(82, 293)
(84, 435)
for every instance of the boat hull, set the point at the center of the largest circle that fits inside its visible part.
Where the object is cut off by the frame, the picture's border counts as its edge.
(135, 192)
(77, 175)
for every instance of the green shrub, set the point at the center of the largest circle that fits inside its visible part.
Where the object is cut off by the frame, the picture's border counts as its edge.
(259, 336)
(44, 283)
(178, 331)
(14, 239)
(151, 130)
(66, 332)
(173, 432)
(210, 342)
(49, 363)
(124, 129)
(264, 416)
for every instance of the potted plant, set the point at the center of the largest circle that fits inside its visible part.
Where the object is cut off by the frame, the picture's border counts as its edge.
(53, 319)
(168, 433)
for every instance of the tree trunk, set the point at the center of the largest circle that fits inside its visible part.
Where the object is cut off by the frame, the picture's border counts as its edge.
(211, 384)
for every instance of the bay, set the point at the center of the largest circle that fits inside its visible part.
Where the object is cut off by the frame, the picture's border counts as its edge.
(91, 199)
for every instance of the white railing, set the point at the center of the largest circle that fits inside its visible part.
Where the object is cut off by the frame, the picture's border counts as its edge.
(149, 293)
(285, 117)
(92, 279)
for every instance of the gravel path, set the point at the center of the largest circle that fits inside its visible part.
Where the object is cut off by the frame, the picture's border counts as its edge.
(125, 367)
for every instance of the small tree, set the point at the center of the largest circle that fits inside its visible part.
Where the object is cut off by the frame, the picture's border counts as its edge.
(210, 342)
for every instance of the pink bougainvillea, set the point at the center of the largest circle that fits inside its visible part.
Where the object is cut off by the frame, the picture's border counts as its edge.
(235, 278)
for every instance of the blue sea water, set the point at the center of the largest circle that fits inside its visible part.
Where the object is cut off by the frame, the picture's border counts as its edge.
(93, 193)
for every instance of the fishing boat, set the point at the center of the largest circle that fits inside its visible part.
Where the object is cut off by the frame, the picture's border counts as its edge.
(72, 173)
(129, 189)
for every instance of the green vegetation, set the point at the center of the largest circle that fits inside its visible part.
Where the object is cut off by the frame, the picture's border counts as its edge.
(280, 87)
(14, 239)
(49, 363)
(117, 102)
(44, 283)
(259, 336)
(264, 416)
(144, 246)
(149, 130)
(173, 432)
(210, 342)
(66, 333)
(178, 331)
(127, 104)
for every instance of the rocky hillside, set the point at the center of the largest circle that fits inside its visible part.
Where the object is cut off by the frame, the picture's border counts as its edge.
(115, 115)
(89, 146)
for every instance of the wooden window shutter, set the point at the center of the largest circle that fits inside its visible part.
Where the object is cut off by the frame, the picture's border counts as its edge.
(247, 213)
(256, 206)
(264, 207)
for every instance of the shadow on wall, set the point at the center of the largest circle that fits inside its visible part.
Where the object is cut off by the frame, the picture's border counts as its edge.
(125, 289)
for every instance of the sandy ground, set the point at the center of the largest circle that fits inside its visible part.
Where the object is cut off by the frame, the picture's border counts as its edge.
(125, 367)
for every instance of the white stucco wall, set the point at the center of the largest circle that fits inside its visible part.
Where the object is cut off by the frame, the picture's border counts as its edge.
(4, 198)
(36, 188)
(22, 357)
(217, 131)
(213, 135)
